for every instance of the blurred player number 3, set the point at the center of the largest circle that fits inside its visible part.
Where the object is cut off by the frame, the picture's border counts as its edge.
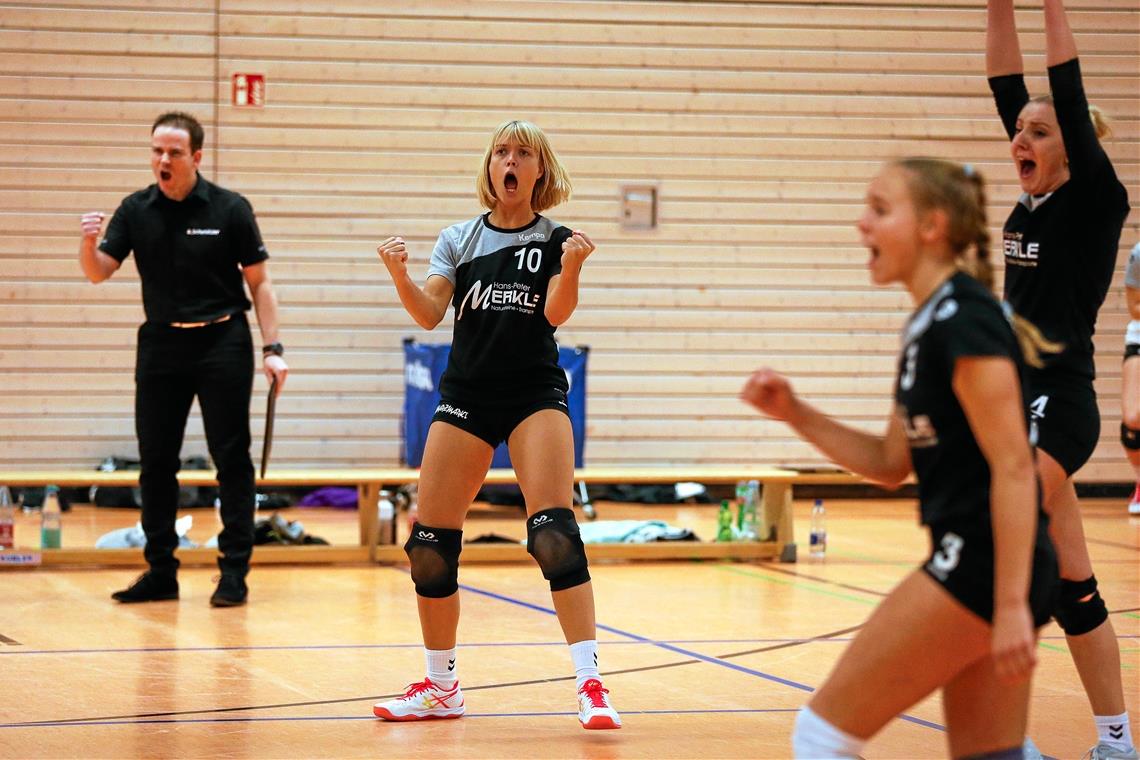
(249, 90)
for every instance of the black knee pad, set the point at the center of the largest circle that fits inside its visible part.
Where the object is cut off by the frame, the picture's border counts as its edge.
(434, 553)
(553, 539)
(1129, 437)
(1076, 614)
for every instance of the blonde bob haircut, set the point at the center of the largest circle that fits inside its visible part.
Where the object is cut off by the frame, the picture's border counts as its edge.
(552, 188)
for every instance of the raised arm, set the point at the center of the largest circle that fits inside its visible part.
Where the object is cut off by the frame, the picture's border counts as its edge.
(96, 265)
(884, 459)
(1060, 46)
(990, 395)
(426, 305)
(562, 292)
(1003, 54)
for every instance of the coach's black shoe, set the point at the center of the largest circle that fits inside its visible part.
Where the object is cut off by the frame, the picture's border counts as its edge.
(149, 587)
(231, 591)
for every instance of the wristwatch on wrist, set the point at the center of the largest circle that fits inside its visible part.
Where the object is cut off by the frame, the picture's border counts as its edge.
(274, 349)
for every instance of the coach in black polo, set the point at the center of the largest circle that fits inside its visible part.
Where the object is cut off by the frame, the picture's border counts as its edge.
(194, 244)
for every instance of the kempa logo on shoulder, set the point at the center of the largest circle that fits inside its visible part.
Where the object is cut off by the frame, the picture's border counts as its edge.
(203, 231)
(526, 237)
(449, 409)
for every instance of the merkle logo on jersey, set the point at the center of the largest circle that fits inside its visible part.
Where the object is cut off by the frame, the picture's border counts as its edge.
(499, 296)
(1018, 254)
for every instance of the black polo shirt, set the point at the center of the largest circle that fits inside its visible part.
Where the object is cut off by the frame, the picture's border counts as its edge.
(189, 253)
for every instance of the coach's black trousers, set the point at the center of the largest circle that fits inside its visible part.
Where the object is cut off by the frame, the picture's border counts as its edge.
(214, 363)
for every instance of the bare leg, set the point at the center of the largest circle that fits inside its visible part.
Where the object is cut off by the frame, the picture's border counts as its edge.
(895, 652)
(1130, 405)
(542, 451)
(1096, 653)
(972, 699)
(454, 466)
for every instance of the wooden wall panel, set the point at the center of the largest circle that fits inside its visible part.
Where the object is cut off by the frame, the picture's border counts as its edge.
(759, 123)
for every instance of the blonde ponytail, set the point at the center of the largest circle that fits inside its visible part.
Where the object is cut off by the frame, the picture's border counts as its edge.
(960, 191)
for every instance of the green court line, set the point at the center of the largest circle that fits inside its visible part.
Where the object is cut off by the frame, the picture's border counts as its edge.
(1051, 647)
(782, 582)
(871, 558)
(1132, 615)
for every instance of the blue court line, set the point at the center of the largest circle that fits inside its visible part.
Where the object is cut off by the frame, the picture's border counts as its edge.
(464, 645)
(410, 645)
(467, 716)
(683, 652)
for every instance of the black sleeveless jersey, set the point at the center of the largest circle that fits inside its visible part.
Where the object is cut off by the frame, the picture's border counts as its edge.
(1060, 252)
(960, 319)
(502, 341)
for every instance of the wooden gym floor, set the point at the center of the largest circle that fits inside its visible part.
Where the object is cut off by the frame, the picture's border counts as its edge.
(703, 659)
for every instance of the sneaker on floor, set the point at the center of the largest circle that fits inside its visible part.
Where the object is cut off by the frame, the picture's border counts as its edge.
(1134, 505)
(1108, 752)
(231, 591)
(594, 708)
(422, 701)
(148, 587)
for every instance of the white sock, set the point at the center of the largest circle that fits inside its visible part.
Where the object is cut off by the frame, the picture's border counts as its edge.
(585, 657)
(441, 667)
(1113, 731)
(815, 739)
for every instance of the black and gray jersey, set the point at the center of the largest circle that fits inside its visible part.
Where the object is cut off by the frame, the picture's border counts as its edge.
(961, 319)
(502, 340)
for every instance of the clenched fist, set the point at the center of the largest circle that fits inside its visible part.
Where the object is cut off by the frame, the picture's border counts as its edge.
(92, 223)
(771, 393)
(394, 254)
(575, 249)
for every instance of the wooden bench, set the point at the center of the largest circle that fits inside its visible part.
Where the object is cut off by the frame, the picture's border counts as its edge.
(775, 513)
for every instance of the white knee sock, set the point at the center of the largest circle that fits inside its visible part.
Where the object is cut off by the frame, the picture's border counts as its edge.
(441, 667)
(1113, 730)
(816, 739)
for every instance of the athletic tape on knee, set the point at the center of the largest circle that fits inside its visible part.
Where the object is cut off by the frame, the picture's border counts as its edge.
(1079, 606)
(553, 539)
(813, 737)
(1129, 437)
(434, 554)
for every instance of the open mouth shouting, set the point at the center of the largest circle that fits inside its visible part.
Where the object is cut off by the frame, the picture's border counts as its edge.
(511, 183)
(1025, 168)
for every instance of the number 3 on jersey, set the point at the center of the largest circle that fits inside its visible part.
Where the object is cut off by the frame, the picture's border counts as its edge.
(946, 559)
(906, 382)
(533, 258)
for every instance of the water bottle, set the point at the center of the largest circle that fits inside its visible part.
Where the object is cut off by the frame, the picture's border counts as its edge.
(724, 522)
(386, 516)
(818, 539)
(7, 519)
(748, 505)
(51, 520)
